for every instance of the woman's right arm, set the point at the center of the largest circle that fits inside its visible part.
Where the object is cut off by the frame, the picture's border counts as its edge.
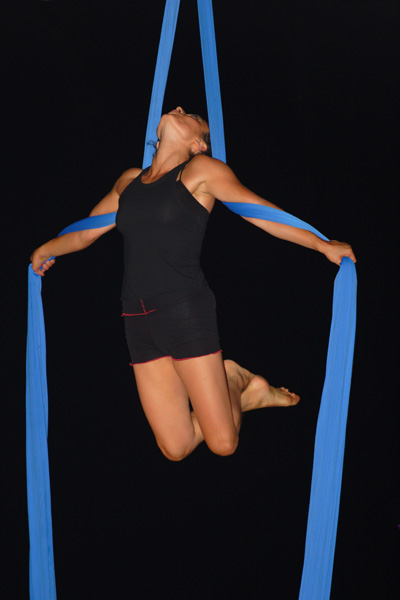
(78, 240)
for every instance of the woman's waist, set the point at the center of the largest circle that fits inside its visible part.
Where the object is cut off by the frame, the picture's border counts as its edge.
(146, 303)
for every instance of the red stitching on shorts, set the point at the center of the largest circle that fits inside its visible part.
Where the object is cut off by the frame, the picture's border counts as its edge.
(145, 312)
(137, 314)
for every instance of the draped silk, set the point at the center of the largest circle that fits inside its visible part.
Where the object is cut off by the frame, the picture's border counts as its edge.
(332, 419)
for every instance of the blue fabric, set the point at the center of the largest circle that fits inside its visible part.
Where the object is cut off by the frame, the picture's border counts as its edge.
(211, 78)
(160, 77)
(330, 437)
(268, 213)
(90, 223)
(42, 584)
(331, 427)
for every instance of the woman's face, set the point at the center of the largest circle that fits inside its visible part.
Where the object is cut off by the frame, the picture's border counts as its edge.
(188, 126)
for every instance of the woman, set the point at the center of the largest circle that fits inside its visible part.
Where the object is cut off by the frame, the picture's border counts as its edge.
(168, 308)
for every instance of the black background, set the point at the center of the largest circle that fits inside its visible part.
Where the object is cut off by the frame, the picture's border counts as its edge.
(309, 98)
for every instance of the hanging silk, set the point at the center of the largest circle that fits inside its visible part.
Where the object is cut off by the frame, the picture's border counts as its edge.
(332, 419)
(331, 427)
(42, 584)
(330, 436)
(211, 78)
(41, 563)
(160, 77)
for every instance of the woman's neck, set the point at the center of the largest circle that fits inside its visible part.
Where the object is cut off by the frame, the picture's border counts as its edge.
(167, 157)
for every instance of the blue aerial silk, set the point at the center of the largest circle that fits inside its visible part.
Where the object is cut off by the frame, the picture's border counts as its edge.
(160, 77)
(331, 426)
(42, 584)
(330, 436)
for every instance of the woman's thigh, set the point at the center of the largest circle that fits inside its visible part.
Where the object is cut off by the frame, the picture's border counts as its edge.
(165, 402)
(205, 381)
(164, 386)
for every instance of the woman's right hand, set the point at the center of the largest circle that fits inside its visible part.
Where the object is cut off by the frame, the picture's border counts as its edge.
(40, 262)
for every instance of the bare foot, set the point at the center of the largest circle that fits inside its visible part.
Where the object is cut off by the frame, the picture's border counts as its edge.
(256, 392)
(260, 394)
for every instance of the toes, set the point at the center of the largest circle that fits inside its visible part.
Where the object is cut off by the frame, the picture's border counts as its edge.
(286, 390)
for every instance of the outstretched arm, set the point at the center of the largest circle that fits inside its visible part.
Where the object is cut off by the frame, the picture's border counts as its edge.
(220, 182)
(78, 240)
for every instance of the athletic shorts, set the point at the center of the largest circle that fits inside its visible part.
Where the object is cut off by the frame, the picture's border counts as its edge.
(185, 329)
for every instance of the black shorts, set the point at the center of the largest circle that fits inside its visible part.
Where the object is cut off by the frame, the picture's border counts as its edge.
(186, 329)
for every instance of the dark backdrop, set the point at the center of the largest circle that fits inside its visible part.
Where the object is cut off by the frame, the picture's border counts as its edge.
(308, 93)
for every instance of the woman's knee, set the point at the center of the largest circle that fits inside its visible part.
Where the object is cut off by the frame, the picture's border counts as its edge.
(223, 446)
(174, 451)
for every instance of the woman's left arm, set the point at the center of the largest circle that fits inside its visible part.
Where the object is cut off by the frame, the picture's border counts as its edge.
(220, 182)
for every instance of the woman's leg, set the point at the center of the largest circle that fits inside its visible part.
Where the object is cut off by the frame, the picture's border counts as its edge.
(166, 405)
(164, 388)
(220, 421)
(220, 391)
(215, 400)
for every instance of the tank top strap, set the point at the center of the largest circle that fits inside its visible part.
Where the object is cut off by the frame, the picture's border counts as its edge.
(181, 167)
(169, 176)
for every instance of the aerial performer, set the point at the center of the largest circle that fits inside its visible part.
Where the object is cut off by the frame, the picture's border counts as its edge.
(168, 308)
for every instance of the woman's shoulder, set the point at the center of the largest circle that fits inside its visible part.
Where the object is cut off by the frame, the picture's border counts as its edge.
(201, 163)
(203, 167)
(126, 178)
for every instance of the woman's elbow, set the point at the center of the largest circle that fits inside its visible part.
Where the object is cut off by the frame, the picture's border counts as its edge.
(87, 237)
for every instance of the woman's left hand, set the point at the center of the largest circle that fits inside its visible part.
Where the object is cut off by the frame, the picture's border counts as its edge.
(41, 263)
(335, 251)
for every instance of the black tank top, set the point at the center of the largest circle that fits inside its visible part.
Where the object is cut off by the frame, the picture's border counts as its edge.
(163, 228)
